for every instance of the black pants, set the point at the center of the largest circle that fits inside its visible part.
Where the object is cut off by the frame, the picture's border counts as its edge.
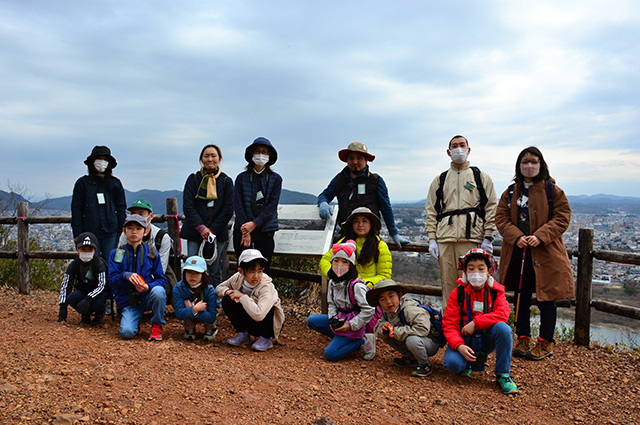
(548, 309)
(242, 322)
(97, 304)
(263, 242)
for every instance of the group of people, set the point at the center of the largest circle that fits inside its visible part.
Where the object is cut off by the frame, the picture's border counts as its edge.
(364, 304)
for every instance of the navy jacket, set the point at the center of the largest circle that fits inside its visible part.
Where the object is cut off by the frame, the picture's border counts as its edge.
(245, 192)
(196, 211)
(87, 215)
(181, 293)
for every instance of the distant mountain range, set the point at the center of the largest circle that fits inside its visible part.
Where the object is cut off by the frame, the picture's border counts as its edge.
(593, 204)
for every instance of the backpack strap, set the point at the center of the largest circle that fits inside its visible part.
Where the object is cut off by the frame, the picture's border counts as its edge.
(510, 190)
(440, 196)
(479, 209)
(549, 188)
(483, 195)
(493, 293)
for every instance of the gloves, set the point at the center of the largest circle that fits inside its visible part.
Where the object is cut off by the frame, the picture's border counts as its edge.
(487, 246)
(433, 249)
(84, 307)
(325, 211)
(62, 315)
(399, 240)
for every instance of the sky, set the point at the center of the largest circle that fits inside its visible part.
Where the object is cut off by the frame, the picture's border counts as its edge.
(157, 80)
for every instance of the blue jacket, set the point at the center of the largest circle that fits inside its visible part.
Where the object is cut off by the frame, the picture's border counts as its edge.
(196, 211)
(245, 193)
(87, 215)
(150, 269)
(181, 293)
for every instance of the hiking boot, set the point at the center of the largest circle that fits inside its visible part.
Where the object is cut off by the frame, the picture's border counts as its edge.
(523, 345)
(189, 334)
(86, 319)
(243, 338)
(542, 349)
(156, 333)
(210, 334)
(97, 321)
(369, 346)
(506, 384)
(405, 361)
(466, 372)
(262, 344)
(422, 370)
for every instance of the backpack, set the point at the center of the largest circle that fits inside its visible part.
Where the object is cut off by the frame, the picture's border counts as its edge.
(169, 274)
(548, 188)
(436, 324)
(479, 209)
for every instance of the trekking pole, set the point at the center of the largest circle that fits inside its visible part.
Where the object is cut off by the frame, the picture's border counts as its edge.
(524, 253)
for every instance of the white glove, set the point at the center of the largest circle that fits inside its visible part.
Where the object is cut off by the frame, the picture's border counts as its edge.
(487, 246)
(433, 249)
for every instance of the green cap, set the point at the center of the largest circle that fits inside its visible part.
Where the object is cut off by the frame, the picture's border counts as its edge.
(141, 203)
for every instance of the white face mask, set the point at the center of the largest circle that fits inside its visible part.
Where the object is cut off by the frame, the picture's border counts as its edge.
(196, 286)
(477, 279)
(339, 269)
(100, 165)
(459, 155)
(530, 170)
(85, 257)
(260, 160)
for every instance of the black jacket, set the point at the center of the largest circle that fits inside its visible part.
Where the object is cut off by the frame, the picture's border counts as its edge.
(87, 215)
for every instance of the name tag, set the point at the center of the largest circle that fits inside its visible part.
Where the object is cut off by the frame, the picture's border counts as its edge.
(478, 306)
(469, 186)
(210, 204)
(119, 256)
(361, 189)
(259, 195)
(100, 198)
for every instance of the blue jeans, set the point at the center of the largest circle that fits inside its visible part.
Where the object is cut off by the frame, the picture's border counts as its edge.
(107, 242)
(498, 338)
(215, 269)
(156, 301)
(339, 346)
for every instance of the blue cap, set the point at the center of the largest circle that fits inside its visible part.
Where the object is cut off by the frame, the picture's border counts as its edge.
(195, 263)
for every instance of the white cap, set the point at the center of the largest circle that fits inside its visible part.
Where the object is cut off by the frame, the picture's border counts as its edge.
(249, 255)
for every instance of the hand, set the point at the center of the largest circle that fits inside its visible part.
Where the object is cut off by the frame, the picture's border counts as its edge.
(467, 353)
(399, 240)
(139, 283)
(84, 307)
(522, 242)
(487, 246)
(248, 227)
(205, 233)
(234, 295)
(188, 303)
(325, 211)
(468, 329)
(200, 306)
(433, 249)
(387, 329)
(533, 240)
(62, 315)
(246, 240)
(344, 328)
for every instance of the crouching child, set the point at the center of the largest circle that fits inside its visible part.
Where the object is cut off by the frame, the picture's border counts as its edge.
(195, 299)
(251, 303)
(475, 321)
(84, 283)
(405, 326)
(137, 280)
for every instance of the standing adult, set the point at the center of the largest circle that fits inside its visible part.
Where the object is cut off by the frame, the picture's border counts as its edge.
(98, 204)
(256, 197)
(532, 215)
(208, 207)
(461, 208)
(355, 186)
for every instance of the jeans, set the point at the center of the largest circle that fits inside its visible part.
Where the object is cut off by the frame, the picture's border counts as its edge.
(215, 269)
(499, 338)
(420, 347)
(107, 242)
(339, 346)
(155, 301)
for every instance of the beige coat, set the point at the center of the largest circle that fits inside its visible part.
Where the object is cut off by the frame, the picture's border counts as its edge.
(554, 278)
(418, 321)
(259, 304)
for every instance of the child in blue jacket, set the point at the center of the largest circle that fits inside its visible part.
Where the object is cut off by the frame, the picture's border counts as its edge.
(195, 299)
(137, 280)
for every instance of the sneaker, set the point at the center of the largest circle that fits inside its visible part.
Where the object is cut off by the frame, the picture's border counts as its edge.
(86, 319)
(156, 333)
(523, 345)
(422, 370)
(405, 361)
(243, 338)
(507, 384)
(262, 344)
(369, 346)
(210, 334)
(466, 372)
(542, 349)
(189, 334)
(97, 321)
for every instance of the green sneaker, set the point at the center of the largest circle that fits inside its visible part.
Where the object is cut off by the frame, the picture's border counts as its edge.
(466, 372)
(507, 384)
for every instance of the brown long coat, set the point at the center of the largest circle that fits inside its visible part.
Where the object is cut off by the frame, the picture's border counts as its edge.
(554, 278)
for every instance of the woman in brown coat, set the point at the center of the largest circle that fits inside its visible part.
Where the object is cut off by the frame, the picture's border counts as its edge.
(532, 215)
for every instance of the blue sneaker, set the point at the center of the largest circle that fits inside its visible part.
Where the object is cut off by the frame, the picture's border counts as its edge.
(507, 384)
(466, 372)
(262, 344)
(243, 338)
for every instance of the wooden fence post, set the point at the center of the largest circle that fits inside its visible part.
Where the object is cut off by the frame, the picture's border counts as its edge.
(23, 248)
(583, 287)
(174, 232)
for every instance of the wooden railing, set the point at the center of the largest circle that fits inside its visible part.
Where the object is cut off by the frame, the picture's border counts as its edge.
(585, 254)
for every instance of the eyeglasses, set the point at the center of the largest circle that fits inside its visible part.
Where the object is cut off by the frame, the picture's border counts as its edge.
(533, 161)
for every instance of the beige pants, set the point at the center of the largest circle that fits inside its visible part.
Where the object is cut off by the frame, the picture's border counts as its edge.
(448, 260)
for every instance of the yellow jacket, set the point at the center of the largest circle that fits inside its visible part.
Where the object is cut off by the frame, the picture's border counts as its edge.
(371, 273)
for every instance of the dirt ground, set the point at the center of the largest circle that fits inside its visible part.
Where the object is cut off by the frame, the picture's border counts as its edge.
(67, 373)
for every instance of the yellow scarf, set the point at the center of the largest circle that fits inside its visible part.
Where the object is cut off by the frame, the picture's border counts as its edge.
(209, 182)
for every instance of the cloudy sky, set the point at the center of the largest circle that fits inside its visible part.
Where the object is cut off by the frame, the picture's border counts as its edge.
(157, 80)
